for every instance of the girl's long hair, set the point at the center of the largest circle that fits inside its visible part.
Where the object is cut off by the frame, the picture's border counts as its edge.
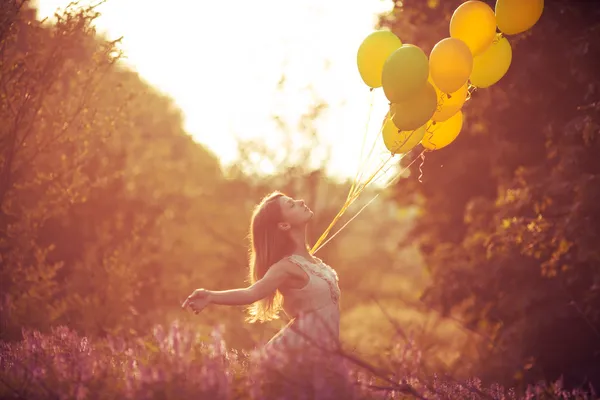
(268, 245)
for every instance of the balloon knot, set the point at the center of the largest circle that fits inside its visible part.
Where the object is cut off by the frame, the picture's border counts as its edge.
(449, 95)
(371, 89)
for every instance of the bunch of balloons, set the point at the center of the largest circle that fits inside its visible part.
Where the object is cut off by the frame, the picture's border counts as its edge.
(427, 94)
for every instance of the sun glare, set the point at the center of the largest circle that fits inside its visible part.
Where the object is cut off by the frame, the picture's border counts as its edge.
(222, 61)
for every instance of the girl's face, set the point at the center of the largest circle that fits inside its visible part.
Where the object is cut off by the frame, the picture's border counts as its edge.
(295, 212)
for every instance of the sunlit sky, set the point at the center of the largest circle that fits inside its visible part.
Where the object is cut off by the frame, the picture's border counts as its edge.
(221, 62)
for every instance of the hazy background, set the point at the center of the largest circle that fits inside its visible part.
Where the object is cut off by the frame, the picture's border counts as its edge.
(129, 172)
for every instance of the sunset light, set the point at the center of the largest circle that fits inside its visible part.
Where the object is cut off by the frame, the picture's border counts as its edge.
(318, 199)
(221, 61)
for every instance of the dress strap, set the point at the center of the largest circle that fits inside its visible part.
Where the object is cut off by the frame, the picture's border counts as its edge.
(299, 261)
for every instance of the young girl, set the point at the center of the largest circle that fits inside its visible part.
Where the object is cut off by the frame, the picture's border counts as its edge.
(284, 275)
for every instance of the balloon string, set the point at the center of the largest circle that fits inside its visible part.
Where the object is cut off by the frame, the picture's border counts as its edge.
(470, 90)
(365, 161)
(317, 246)
(347, 204)
(343, 226)
(333, 222)
(400, 159)
(399, 146)
(373, 175)
(362, 147)
(433, 145)
(440, 104)
(421, 167)
(390, 167)
(355, 188)
(400, 173)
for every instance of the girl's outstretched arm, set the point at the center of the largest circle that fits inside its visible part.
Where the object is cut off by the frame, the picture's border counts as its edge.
(273, 279)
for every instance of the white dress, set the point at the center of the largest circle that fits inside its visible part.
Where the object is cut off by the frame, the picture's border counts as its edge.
(314, 311)
(300, 361)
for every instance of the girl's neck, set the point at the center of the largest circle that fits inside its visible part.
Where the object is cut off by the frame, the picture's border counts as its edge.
(301, 248)
(303, 251)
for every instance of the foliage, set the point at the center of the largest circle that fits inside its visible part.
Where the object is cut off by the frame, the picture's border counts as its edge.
(88, 208)
(178, 363)
(111, 214)
(509, 213)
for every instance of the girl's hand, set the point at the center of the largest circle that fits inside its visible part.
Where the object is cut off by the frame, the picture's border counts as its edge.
(197, 301)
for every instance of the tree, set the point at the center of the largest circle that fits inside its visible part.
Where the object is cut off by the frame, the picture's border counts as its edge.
(98, 178)
(44, 144)
(510, 214)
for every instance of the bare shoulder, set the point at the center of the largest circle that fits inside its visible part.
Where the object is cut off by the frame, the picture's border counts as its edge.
(284, 266)
(287, 272)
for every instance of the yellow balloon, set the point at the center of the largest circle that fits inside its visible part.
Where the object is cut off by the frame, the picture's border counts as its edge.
(372, 53)
(441, 134)
(516, 16)
(397, 141)
(474, 23)
(404, 73)
(416, 111)
(491, 66)
(450, 64)
(449, 104)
